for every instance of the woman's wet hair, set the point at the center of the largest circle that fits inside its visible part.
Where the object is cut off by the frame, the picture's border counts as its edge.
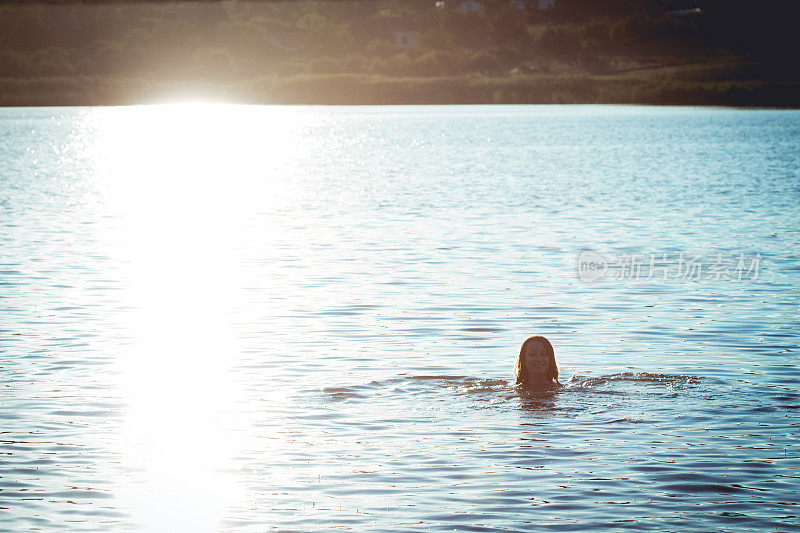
(521, 371)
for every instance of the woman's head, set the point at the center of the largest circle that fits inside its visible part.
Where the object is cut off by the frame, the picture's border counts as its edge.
(536, 362)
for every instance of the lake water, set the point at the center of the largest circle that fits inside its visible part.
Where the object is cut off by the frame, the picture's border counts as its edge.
(231, 318)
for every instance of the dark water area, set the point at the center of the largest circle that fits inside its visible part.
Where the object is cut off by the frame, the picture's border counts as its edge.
(233, 318)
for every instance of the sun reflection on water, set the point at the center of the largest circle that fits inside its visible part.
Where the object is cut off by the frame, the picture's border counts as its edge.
(182, 181)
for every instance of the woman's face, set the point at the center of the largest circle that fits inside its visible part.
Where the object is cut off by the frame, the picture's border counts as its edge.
(536, 360)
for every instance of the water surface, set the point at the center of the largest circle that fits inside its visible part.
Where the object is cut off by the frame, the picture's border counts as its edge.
(232, 318)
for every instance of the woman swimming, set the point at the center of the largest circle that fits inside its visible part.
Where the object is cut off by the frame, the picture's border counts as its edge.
(536, 364)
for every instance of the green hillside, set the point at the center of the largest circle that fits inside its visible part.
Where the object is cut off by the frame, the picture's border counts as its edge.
(414, 51)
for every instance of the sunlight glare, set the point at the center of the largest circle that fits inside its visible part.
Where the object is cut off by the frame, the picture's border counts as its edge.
(183, 180)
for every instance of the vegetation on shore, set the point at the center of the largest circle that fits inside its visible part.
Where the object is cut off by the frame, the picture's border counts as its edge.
(385, 52)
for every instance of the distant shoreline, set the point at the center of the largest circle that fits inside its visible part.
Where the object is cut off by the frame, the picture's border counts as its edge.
(384, 52)
(361, 89)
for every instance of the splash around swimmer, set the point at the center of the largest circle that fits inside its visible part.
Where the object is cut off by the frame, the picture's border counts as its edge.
(536, 363)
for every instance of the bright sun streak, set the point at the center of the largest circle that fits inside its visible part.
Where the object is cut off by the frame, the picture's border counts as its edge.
(184, 179)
